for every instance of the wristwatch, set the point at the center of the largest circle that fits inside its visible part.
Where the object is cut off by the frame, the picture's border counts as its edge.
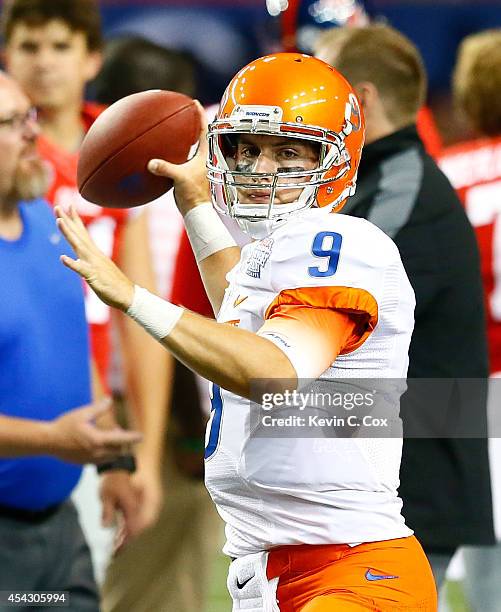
(124, 462)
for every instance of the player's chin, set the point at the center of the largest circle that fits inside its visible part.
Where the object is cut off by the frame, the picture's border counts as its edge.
(31, 180)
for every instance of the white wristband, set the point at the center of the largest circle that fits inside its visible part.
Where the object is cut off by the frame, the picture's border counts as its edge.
(157, 316)
(207, 233)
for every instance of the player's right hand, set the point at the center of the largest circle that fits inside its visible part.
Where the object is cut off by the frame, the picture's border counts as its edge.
(107, 281)
(191, 185)
(75, 437)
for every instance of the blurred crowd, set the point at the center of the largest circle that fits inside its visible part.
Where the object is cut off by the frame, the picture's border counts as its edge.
(150, 534)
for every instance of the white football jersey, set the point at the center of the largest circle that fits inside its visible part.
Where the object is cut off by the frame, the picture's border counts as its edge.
(300, 490)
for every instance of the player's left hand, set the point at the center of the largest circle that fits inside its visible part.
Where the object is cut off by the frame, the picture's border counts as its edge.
(101, 274)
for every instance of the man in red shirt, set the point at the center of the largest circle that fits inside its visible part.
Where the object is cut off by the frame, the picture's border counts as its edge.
(474, 168)
(53, 48)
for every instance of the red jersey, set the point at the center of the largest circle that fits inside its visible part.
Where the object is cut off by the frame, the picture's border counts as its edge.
(187, 287)
(428, 132)
(474, 169)
(104, 225)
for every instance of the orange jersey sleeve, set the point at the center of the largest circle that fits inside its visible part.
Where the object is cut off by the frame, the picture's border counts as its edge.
(316, 324)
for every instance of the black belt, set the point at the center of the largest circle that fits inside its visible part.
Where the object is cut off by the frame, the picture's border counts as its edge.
(29, 516)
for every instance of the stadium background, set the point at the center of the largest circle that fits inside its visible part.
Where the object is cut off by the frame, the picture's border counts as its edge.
(223, 35)
(209, 28)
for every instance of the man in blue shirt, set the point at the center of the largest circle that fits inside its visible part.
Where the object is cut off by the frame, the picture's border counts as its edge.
(44, 375)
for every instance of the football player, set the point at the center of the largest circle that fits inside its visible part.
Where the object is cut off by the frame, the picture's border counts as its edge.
(315, 295)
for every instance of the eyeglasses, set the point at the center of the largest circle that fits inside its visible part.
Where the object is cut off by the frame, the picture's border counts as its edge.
(19, 121)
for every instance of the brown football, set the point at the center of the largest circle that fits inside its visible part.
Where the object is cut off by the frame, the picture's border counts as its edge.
(112, 165)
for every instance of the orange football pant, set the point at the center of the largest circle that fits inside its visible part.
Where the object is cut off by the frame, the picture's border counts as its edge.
(387, 576)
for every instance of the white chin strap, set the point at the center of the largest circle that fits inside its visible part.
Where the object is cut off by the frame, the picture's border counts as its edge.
(259, 229)
(254, 220)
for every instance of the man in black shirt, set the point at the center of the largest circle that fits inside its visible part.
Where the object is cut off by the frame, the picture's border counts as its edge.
(445, 483)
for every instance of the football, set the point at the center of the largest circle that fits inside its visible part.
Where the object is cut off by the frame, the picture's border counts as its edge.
(112, 165)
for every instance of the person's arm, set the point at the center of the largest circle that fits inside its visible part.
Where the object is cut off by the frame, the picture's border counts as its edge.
(20, 437)
(213, 270)
(228, 356)
(295, 342)
(213, 246)
(106, 421)
(73, 436)
(187, 287)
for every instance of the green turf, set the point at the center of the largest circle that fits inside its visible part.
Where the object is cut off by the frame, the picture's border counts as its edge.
(219, 600)
(455, 597)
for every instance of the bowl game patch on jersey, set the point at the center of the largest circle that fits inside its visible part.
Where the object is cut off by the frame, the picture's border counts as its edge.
(260, 255)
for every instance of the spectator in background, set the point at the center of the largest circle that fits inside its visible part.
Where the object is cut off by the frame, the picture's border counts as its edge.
(44, 373)
(307, 25)
(53, 48)
(445, 483)
(156, 570)
(133, 64)
(474, 168)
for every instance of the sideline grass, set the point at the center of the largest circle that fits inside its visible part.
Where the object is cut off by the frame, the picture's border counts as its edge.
(219, 600)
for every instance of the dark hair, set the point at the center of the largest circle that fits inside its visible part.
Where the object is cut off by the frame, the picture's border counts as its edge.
(133, 64)
(78, 15)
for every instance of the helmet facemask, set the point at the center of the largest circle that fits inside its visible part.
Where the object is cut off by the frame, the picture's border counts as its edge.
(230, 182)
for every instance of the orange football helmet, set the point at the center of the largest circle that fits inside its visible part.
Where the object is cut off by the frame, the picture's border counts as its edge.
(291, 95)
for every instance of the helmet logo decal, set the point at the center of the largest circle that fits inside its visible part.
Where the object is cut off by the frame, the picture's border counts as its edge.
(224, 100)
(352, 116)
(256, 112)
